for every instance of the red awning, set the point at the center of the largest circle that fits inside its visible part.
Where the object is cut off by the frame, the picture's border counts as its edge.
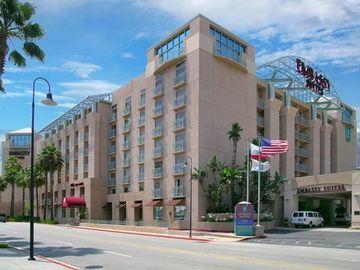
(174, 202)
(154, 203)
(73, 202)
(137, 204)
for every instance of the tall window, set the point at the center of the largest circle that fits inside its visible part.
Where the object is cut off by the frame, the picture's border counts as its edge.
(348, 134)
(173, 47)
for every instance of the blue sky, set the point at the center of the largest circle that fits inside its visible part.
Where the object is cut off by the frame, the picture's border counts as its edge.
(95, 46)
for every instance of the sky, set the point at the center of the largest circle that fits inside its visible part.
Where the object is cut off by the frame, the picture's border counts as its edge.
(95, 46)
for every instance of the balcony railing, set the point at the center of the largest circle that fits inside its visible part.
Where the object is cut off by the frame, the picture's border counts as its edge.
(158, 90)
(158, 111)
(112, 165)
(141, 177)
(158, 152)
(127, 110)
(141, 122)
(141, 140)
(301, 136)
(179, 123)
(126, 162)
(230, 53)
(179, 169)
(179, 191)
(86, 151)
(179, 146)
(260, 120)
(261, 103)
(111, 181)
(126, 179)
(126, 127)
(158, 172)
(140, 158)
(141, 104)
(112, 133)
(158, 131)
(179, 102)
(126, 145)
(112, 149)
(301, 152)
(180, 78)
(301, 167)
(158, 193)
(301, 120)
(112, 117)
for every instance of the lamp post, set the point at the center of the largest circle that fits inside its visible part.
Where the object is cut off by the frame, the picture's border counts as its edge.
(50, 102)
(187, 159)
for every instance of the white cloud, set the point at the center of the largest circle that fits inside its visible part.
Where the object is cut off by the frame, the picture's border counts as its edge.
(141, 35)
(33, 69)
(81, 69)
(127, 55)
(88, 87)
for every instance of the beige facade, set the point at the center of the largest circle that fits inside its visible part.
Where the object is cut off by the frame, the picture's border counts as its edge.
(126, 157)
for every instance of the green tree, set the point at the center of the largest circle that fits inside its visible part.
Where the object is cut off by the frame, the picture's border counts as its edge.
(215, 167)
(199, 175)
(39, 181)
(234, 135)
(22, 180)
(16, 25)
(12, 169)
(3, 184)
(50, 160)
(227, 176)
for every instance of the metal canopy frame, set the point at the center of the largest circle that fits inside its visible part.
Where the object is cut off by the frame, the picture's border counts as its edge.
(282, 73)
(77, 109)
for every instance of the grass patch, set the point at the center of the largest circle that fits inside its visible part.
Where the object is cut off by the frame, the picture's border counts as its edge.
(3, 245)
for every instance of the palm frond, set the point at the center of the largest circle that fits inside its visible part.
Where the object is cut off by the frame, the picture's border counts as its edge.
(34, 51)
(32, 31)
(17, 58)
(27, 10)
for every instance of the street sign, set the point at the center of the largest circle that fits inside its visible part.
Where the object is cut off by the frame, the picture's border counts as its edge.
(244, 219)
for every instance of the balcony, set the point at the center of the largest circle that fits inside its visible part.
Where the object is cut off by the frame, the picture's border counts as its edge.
(179, 169)
(179, 80)
(158, 172)
(126, 162)
(179, 124)
(126, 128)
(141, 140)
(127, 110)
(112, 149)
(158, 111)
(301, 152)
(126, 179)
(111, 133)
(86, 151)
(141, 177)
(301, 136)
(112, 117)
(111, 181)
(76, 155)
(158, 90)
(157, 193)
(126, 145)
(169, 58)
(111, 165)
(86, 136)
(231, 56)
(347, 119)
(76, 141)
(178, 191)
(260, 120)
(179, 102)
(301, 167)
(141, 158)
(301, 120)
(141, 121)
(179, 146)
(86, 167)
(261, 103)
(158, 152)
(158, 132)
(141, 104)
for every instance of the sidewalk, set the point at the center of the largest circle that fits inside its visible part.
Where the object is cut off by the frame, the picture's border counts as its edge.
(12, 259)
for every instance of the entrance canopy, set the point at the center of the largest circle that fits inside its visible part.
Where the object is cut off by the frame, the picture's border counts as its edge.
(69, 202)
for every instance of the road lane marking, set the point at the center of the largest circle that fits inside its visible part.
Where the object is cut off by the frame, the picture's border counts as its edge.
(65, 243)
(119, 254)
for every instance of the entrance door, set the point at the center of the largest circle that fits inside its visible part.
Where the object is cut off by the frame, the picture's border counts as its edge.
(122, 212)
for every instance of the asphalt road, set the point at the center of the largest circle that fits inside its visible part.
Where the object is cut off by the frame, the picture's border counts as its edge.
(105, 250)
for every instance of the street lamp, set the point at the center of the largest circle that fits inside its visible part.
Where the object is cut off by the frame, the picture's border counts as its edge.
(50, 102)
(187, 159)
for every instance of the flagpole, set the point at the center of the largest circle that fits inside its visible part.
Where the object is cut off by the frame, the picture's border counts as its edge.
(247, 169)
(258, 210)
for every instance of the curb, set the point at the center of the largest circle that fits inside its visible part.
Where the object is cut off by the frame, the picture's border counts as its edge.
(140, 233)
(63, 264)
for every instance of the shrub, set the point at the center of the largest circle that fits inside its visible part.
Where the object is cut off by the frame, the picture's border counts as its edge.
(49, 221)
(3, 245)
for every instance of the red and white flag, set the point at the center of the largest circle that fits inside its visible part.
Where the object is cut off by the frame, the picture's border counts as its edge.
(271, 147)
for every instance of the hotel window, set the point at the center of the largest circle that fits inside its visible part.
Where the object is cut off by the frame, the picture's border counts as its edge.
(159, 80)
(172, 47)
(19, 141)
(141, 186)
(180, 69)
(59, 145)
(179, 212)
(143, 96)
(141, 172)
(158, 212)
(348, 134)
(127, 105)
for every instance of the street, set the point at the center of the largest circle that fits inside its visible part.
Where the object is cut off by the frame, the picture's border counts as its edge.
(88, 249)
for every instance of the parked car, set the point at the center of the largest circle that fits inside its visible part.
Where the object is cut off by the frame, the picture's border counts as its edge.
(306, 218)
(2, 218)
(343, 219)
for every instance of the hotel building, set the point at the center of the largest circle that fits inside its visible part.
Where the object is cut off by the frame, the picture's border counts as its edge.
(124, 152)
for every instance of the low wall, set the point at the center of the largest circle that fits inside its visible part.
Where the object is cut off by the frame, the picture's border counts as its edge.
(228, 226)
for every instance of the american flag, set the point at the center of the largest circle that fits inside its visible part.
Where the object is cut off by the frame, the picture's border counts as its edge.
(269, 146)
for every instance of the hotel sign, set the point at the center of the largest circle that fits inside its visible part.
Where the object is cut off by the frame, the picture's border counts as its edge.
(19, 154)
(322, 189)
(314, 81)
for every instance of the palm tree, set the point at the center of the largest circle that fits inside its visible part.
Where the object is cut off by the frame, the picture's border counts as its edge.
(39, 181)
(3, 186)
(16, 25)
(234, 135)
(22, 180)
(227, 176)
(12, 169)
(50, 160)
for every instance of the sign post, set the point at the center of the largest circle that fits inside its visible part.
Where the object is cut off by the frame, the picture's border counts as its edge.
(244, 219)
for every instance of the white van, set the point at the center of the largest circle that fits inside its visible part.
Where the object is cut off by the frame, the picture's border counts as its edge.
(306, 218)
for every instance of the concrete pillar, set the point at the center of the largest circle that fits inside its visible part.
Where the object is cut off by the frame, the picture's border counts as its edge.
(325, 155)
(271, 91)
(314, 146)
(287, 132)
(355, 200)
(291, 200)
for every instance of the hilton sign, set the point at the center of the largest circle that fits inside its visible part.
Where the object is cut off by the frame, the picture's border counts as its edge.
(314, 81)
